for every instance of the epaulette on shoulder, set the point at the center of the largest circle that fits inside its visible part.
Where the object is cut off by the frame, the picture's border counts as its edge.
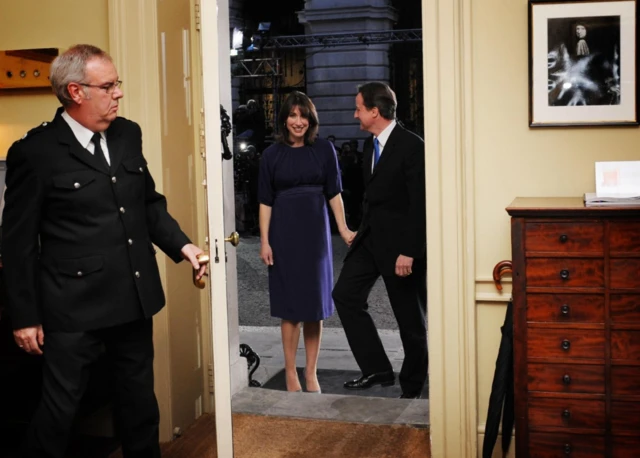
(36, 130)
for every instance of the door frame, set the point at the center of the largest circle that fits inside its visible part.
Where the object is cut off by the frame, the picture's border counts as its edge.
(447, 51)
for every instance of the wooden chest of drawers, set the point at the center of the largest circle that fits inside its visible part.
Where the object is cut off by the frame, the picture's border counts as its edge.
(576, 292)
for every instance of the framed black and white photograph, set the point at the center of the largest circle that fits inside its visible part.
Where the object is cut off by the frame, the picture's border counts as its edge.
(582, 63)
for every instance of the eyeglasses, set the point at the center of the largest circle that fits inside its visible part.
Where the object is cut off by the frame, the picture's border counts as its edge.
(108, 88)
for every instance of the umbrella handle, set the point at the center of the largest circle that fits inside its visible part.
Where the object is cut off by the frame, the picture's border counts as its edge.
(499, 270)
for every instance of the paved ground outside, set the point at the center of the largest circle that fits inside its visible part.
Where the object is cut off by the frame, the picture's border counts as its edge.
(253, 288)
(262, 333)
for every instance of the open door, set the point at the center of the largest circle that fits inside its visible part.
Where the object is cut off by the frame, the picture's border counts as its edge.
(229, 372)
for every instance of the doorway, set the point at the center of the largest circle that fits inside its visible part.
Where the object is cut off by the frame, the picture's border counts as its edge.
(450, 223)
(266, 74)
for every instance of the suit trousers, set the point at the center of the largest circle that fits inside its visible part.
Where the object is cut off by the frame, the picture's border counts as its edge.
(408, 301)
(67, 360)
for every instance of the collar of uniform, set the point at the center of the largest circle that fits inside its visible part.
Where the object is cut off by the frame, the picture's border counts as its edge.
(384, 135)
(82, 134)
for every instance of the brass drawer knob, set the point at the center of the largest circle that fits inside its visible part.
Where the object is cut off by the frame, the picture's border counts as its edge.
(566, 379)
(564, 274)
(565, 309)
(566, 414)
(566, 345)
(564, 238)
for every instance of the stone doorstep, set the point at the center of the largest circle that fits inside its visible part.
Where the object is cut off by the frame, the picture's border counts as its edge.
(356, 409)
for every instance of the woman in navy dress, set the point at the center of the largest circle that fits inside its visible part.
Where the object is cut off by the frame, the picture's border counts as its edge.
(298, 176)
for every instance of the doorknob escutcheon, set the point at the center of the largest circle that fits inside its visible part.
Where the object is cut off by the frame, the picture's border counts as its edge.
(203, 258)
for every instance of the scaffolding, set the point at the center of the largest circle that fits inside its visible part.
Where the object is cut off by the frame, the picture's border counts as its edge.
(341, 39)
(254, 68)
(247, 67)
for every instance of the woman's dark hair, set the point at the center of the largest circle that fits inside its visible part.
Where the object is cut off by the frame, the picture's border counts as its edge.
(308, 112)
(381, 96)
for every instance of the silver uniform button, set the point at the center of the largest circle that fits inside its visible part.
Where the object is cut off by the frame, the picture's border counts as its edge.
(141, 169)
(130, 242)
(121, 209)
(113, 179)
(76, 185)
(137, 274)
(79, 273)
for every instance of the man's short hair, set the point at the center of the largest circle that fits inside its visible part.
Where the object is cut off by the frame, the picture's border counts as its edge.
(379, 95)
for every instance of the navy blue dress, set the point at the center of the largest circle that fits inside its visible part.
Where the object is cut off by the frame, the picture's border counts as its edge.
(296, 183)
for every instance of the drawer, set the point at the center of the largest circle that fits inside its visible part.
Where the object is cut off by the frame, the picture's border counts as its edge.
(624, 416)
(625, 380)
(624, 273)
(563, 272)
(625, 446)
(566, 378)
(625, 344)
(566, 413)
(554, 445)
(565, 308)
(625, 308)
(565, 343)
(570, 237)
(624, 236)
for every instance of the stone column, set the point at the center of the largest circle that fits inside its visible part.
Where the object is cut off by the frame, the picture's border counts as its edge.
(334, 73)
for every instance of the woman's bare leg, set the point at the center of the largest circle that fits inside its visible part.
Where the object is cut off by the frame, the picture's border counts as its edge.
(312, 332)
(290, 338)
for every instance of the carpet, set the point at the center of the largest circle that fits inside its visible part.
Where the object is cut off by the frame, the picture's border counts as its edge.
(332, 380)
(278, 437)
(257, 436)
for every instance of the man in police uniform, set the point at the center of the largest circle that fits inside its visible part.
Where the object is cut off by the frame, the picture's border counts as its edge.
(81, 215)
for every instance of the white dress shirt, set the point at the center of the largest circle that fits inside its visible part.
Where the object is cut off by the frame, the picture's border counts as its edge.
(382, 140)
(84, 135)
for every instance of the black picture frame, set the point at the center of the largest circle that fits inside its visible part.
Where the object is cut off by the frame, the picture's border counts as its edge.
(583, 63)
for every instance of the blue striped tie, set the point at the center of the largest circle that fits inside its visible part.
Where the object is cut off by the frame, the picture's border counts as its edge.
(376, 151)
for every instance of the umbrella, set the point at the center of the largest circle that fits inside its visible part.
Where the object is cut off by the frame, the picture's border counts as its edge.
(501, 401)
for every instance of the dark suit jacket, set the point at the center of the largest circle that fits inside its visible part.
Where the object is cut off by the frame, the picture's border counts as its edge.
(394, 213)
(77, 238)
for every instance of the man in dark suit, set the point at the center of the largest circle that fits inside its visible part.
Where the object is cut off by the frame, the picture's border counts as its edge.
(81, 214)
(391, 242)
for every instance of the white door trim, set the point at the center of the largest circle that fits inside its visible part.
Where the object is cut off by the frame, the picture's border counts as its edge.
(447, 51)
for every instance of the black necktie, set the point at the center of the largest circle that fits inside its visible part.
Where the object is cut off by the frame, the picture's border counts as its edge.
(98, 150)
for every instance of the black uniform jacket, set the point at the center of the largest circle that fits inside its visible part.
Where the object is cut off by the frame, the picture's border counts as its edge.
(77, 238)
(394, 210)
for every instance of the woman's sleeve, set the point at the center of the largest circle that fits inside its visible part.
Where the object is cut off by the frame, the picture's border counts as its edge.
(333, 183)
(265, 187)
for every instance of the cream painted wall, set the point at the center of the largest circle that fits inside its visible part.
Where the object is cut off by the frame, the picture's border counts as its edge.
(28, 24)
(512, 160)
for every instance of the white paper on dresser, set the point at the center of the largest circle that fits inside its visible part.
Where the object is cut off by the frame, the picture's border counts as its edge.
(618, 179)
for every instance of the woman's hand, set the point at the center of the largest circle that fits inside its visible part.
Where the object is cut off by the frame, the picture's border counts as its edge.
(348, 236)
(266, 254)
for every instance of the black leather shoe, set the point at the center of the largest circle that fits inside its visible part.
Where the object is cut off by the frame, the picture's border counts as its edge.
(367, 381)
(410, 396)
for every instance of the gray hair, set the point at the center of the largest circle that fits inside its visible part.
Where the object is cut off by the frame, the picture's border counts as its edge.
(70, 67)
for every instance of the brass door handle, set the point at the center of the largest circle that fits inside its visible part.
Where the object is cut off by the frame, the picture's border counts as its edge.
(233, 239)
(203, 258)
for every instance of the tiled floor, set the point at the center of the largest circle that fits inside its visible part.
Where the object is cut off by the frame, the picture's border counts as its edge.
(334, 354)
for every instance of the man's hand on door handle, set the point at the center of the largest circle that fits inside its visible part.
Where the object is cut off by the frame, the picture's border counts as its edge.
(190, 252)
